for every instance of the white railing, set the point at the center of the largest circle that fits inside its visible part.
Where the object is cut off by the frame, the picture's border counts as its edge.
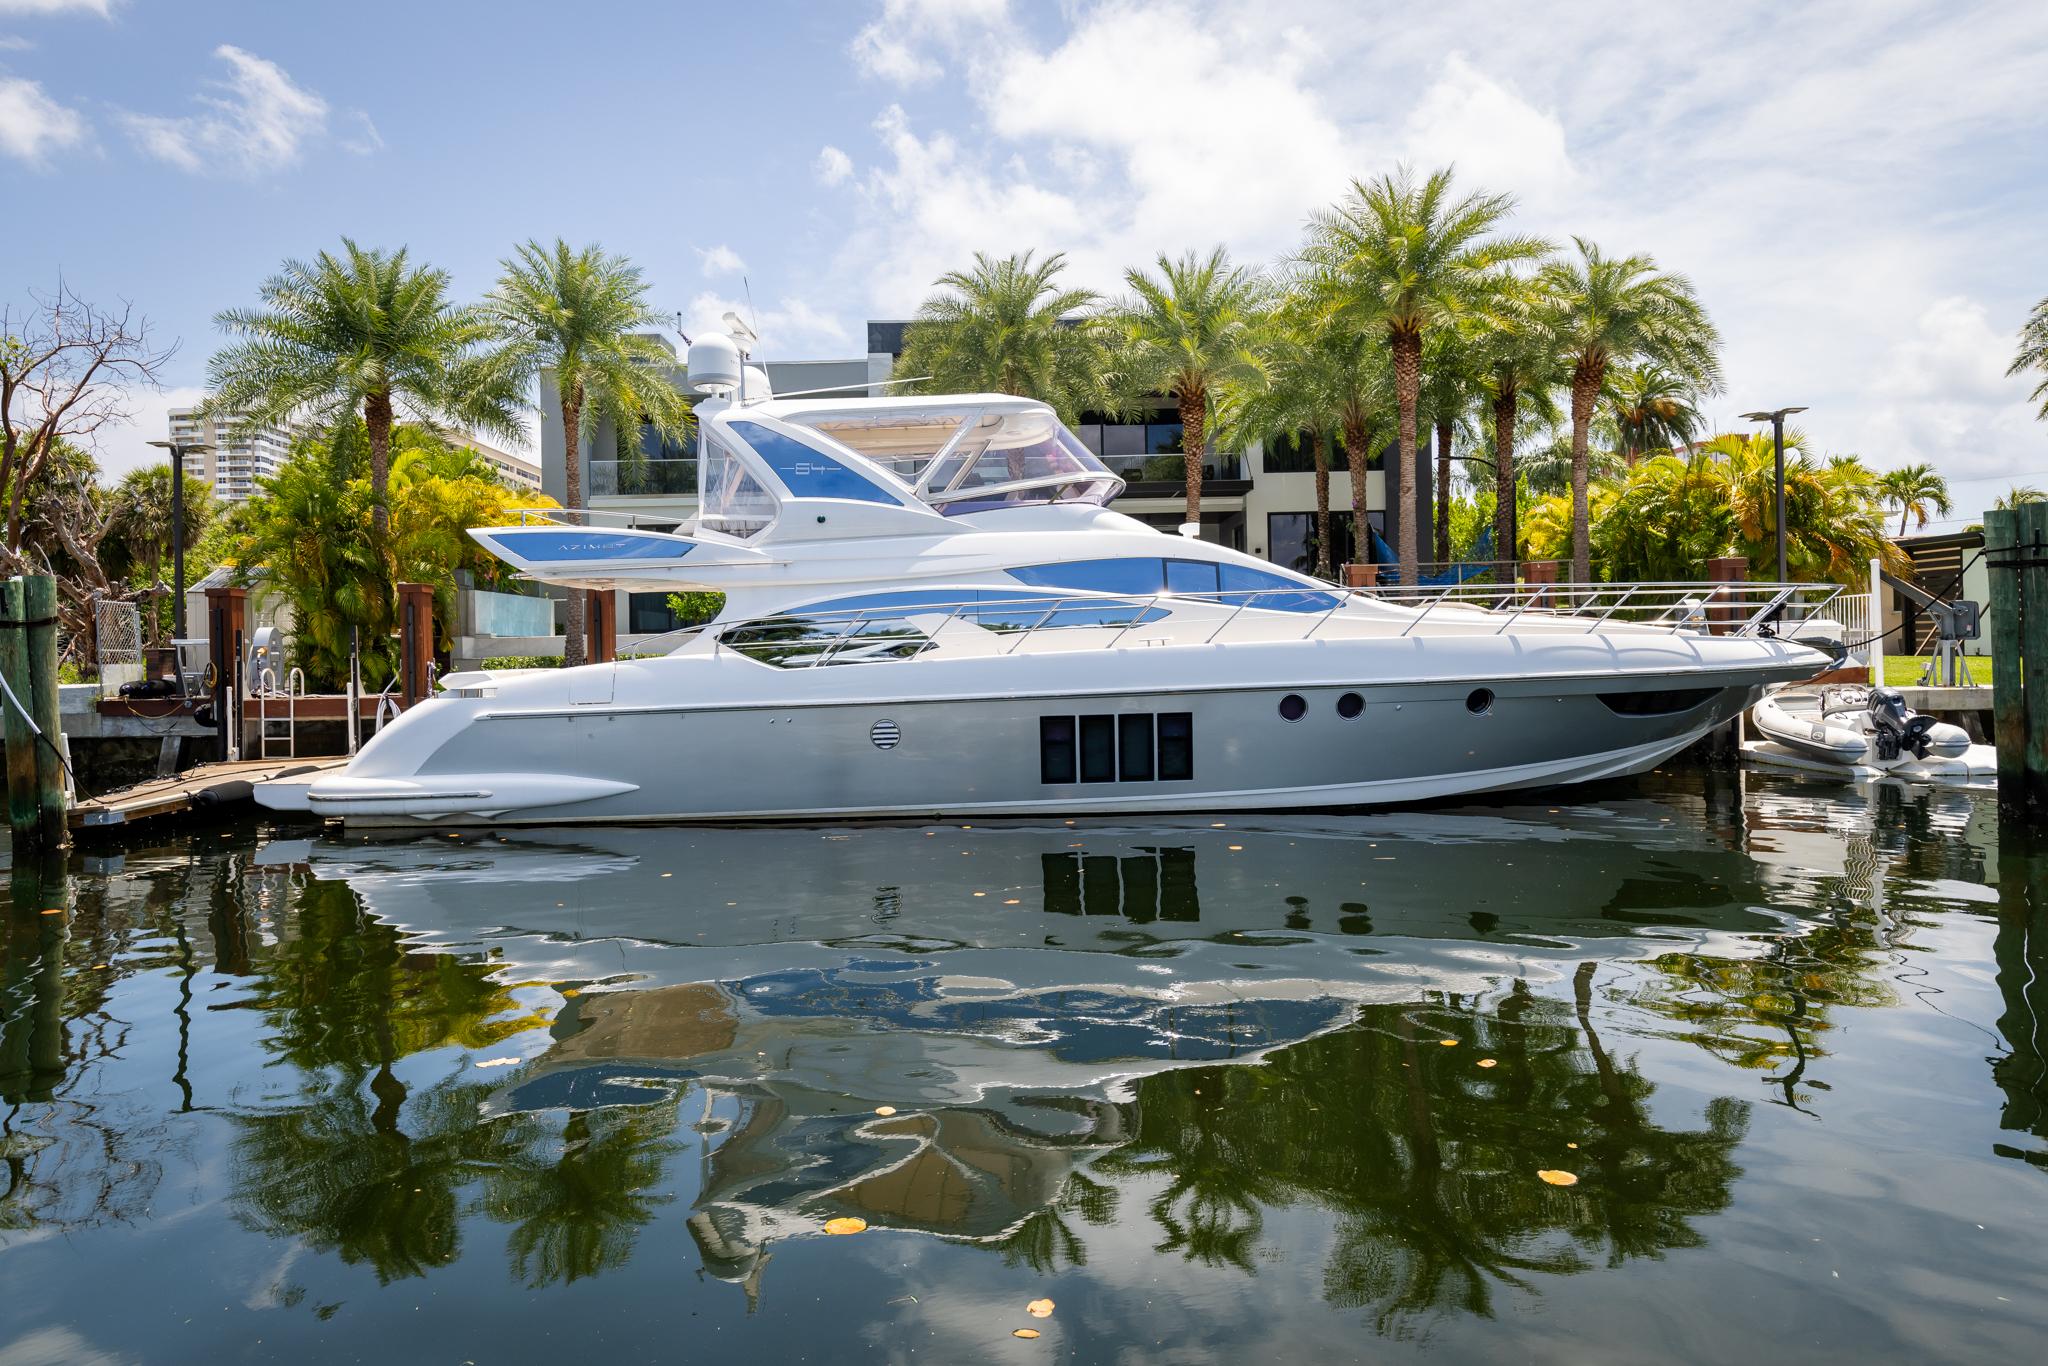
(807, 640)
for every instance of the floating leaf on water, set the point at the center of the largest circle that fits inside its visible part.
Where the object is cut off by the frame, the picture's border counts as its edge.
(846, 1224)
(1025, 1333)
(1571, 1145)
(1557, 1178)
(981, 893)
(1236, 848)
(1448, 1043)
(1013, 901)
(1488, 1062)
(885, 1110)
(1039, 1309)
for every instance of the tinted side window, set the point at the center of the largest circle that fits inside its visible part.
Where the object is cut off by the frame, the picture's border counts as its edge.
(1176, 746)
(1191, 576)
(809, 472)
(1096, 576)
(1240, 585)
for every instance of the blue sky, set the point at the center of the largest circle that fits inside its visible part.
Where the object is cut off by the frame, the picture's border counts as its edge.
(1859, 190)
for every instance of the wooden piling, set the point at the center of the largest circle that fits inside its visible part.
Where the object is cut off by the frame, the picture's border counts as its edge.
(39, 610)
(2033, 541)
(21, 741)
(2016, 553)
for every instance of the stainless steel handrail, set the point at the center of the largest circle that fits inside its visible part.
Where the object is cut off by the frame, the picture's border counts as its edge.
(1676, 607)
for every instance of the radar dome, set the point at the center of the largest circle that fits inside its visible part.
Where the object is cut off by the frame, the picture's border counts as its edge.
(714, 364)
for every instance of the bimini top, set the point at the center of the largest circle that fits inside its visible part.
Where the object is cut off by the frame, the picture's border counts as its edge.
(946, 455)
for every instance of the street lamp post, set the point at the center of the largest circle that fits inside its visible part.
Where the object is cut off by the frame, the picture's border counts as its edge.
(1777, 420)
(178, 450)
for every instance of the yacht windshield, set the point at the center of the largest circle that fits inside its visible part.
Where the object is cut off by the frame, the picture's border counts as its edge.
(731, 500)
(1011, 459)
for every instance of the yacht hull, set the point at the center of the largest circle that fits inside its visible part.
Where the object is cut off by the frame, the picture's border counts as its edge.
(1010, 755)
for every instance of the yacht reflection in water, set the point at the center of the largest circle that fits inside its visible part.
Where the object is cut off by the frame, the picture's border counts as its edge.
(974, 1032)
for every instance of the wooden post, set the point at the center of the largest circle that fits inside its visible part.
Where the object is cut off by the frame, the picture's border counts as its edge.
(2008, 696)
(601, 626)
(227, 611)
(39, 610)
(21, 741)
(2033, 545)
(1729, 611)
(416, 640)
(1362, 575)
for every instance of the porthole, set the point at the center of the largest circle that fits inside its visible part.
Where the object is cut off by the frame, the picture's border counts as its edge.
(885, 734)
(1350, 705)
(1292, 707)
(1479, 701)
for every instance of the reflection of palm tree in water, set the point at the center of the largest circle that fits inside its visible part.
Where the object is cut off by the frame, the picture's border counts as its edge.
(1428, 1161)
(384, 1173)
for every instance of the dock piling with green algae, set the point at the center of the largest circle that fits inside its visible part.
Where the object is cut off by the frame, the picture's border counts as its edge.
(2016, 553)
(28, 662)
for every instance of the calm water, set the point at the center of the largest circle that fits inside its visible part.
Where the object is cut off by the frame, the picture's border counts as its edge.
(1270, 1086)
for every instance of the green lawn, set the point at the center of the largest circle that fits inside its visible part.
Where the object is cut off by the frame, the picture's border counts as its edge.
(1903, 671)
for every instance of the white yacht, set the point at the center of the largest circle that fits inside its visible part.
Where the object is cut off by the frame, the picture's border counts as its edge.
(931, 610)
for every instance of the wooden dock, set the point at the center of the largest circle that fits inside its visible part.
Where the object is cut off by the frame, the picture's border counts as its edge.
(207, 785)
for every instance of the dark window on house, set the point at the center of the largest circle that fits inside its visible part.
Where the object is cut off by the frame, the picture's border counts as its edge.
(1176, 746)
(1296, 455)
(648, 614)
(1123, 438)
(1291, 540)
(1098, 749)
(1091, 436)
(1056, 749)
(1162, 438)
(1134, 749)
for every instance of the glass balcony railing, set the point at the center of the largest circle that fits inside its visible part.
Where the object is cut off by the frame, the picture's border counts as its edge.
(626, 478)
(1171, 467)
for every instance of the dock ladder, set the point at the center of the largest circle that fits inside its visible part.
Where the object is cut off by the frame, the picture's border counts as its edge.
(271, 729)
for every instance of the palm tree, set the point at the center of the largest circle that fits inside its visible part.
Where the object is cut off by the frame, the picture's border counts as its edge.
(1450, 385)
(1916, 491)
(1409, 257)
(137, 542)
(1319, 381)
(2033, 353)
(1608, 310)
(579, 315)
(1190, 333)
(1651, 409)
(2019, 494)
(367, 332)
(1006, 327)
(1515, 363)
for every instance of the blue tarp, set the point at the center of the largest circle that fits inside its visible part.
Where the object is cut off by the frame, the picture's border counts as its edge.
(1482, 552)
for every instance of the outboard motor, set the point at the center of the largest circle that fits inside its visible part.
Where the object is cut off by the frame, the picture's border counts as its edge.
(1897, 730)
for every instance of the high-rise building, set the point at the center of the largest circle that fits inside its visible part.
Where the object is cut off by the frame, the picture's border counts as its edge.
(242, 450)
(515, 470)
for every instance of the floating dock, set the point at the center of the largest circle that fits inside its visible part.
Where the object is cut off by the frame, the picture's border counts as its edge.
(208, 785)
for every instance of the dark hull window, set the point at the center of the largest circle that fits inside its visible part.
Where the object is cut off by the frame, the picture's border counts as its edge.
(1176, 746)
(1056, 749)
(1138, 748)
(1134, 749)
(1098, 749)
(1668, 702)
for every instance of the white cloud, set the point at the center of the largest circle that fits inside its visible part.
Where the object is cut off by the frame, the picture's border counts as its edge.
(32, 125)
(721, 260)
(258, 123)
(362, 137)
(1492, 135)
(10, 43)
(791, 329)
(833, 165)
(902, 45)
(99, 7)
(1863, 223)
